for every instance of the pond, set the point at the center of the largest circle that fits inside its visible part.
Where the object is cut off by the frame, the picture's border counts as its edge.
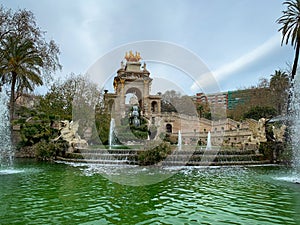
(56, 193)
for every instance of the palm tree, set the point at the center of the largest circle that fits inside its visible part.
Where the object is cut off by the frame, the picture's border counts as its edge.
(279, 86)
(290, 21)
(20, 66)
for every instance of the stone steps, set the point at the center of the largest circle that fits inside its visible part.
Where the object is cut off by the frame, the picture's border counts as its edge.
(215, 157)
(198, 157)
(96, 161)
(106, 156)
(228, 163)
(108, 151)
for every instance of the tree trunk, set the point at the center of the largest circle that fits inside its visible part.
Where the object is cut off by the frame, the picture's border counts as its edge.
(295, 64)
(12, 96)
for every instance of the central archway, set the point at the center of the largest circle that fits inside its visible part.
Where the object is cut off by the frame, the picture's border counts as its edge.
(134, 97)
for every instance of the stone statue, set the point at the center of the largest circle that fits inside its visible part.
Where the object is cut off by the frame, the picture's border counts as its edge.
(130, 57)
(122, 65)
(278, 133)
(133, 100)
(68, 132)
(258, 129)
(144, 67)
(258, 133)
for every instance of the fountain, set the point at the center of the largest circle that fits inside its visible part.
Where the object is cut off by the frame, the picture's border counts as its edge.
(295, 129)
(6, 150)
(208, 145)
(135, 116)
(179, 140)
(111, 133)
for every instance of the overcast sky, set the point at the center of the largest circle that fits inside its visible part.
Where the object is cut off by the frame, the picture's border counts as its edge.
(238, 40)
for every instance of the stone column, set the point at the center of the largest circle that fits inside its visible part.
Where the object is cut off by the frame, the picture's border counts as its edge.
(122, 99)
(159, 106)
(146, 98)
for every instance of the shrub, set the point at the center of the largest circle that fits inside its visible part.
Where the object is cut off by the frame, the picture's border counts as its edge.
(173, 139)
(32, 133)
(154, 155)
(258, 112)
(47, 151)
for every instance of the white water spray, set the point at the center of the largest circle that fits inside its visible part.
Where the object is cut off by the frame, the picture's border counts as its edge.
(208, 145)
(179, 140)
(295, 125)
(111, 132)
(6, 150)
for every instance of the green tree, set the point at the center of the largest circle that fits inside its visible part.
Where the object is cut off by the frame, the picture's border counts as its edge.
(75, 98)
(20, 67)
(279, 86)
(258, 112)
(168, 101)
(290, 23)
(58, 100)
(26, 58)
(63, 94)
(173, 101)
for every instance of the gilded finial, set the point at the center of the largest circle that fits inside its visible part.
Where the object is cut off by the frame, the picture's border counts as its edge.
(130, 57)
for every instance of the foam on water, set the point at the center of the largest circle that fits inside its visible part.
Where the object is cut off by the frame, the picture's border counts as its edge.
(292, 179)
(10, 171)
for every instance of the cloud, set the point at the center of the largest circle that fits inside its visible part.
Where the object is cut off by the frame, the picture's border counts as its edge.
(87, 30)
(239, 64)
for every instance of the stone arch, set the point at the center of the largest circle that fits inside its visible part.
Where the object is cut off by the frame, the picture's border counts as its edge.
(169, 128)
(137, 92)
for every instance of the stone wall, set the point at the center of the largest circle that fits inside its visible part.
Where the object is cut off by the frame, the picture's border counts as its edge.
(226, 132)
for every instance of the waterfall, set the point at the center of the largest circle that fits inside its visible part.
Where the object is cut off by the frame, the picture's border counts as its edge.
(6, 150)
(111, 132)
(208, 145)
(179, 140)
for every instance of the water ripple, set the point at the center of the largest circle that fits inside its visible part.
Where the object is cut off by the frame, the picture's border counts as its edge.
(63, 194)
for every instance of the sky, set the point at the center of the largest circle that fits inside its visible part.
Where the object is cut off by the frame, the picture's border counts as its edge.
(237, 41)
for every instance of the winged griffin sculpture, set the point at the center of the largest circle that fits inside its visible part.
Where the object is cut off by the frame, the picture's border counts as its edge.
(68, 132)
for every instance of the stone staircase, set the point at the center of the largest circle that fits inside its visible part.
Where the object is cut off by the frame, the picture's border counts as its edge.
(185, 156)
(103, 156)
(215, 157)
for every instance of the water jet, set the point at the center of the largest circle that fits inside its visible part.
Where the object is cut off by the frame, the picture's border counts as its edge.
(111, 132)
(179, 140)
(208, 145)
(6, 150)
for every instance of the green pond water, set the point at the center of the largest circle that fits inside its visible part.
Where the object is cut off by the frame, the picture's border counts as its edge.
(56, 193)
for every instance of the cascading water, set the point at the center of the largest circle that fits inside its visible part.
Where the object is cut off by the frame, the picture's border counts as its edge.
(111, 132)
(179, 140)
(208, 145)
(295, 128)
(6, 150)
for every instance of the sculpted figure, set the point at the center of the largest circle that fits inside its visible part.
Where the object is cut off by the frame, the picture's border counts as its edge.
(68, 132)
(130, 57)
(258, 129)
(279, 133)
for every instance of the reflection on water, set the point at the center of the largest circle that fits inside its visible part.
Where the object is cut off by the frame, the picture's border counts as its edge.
(62, 194)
